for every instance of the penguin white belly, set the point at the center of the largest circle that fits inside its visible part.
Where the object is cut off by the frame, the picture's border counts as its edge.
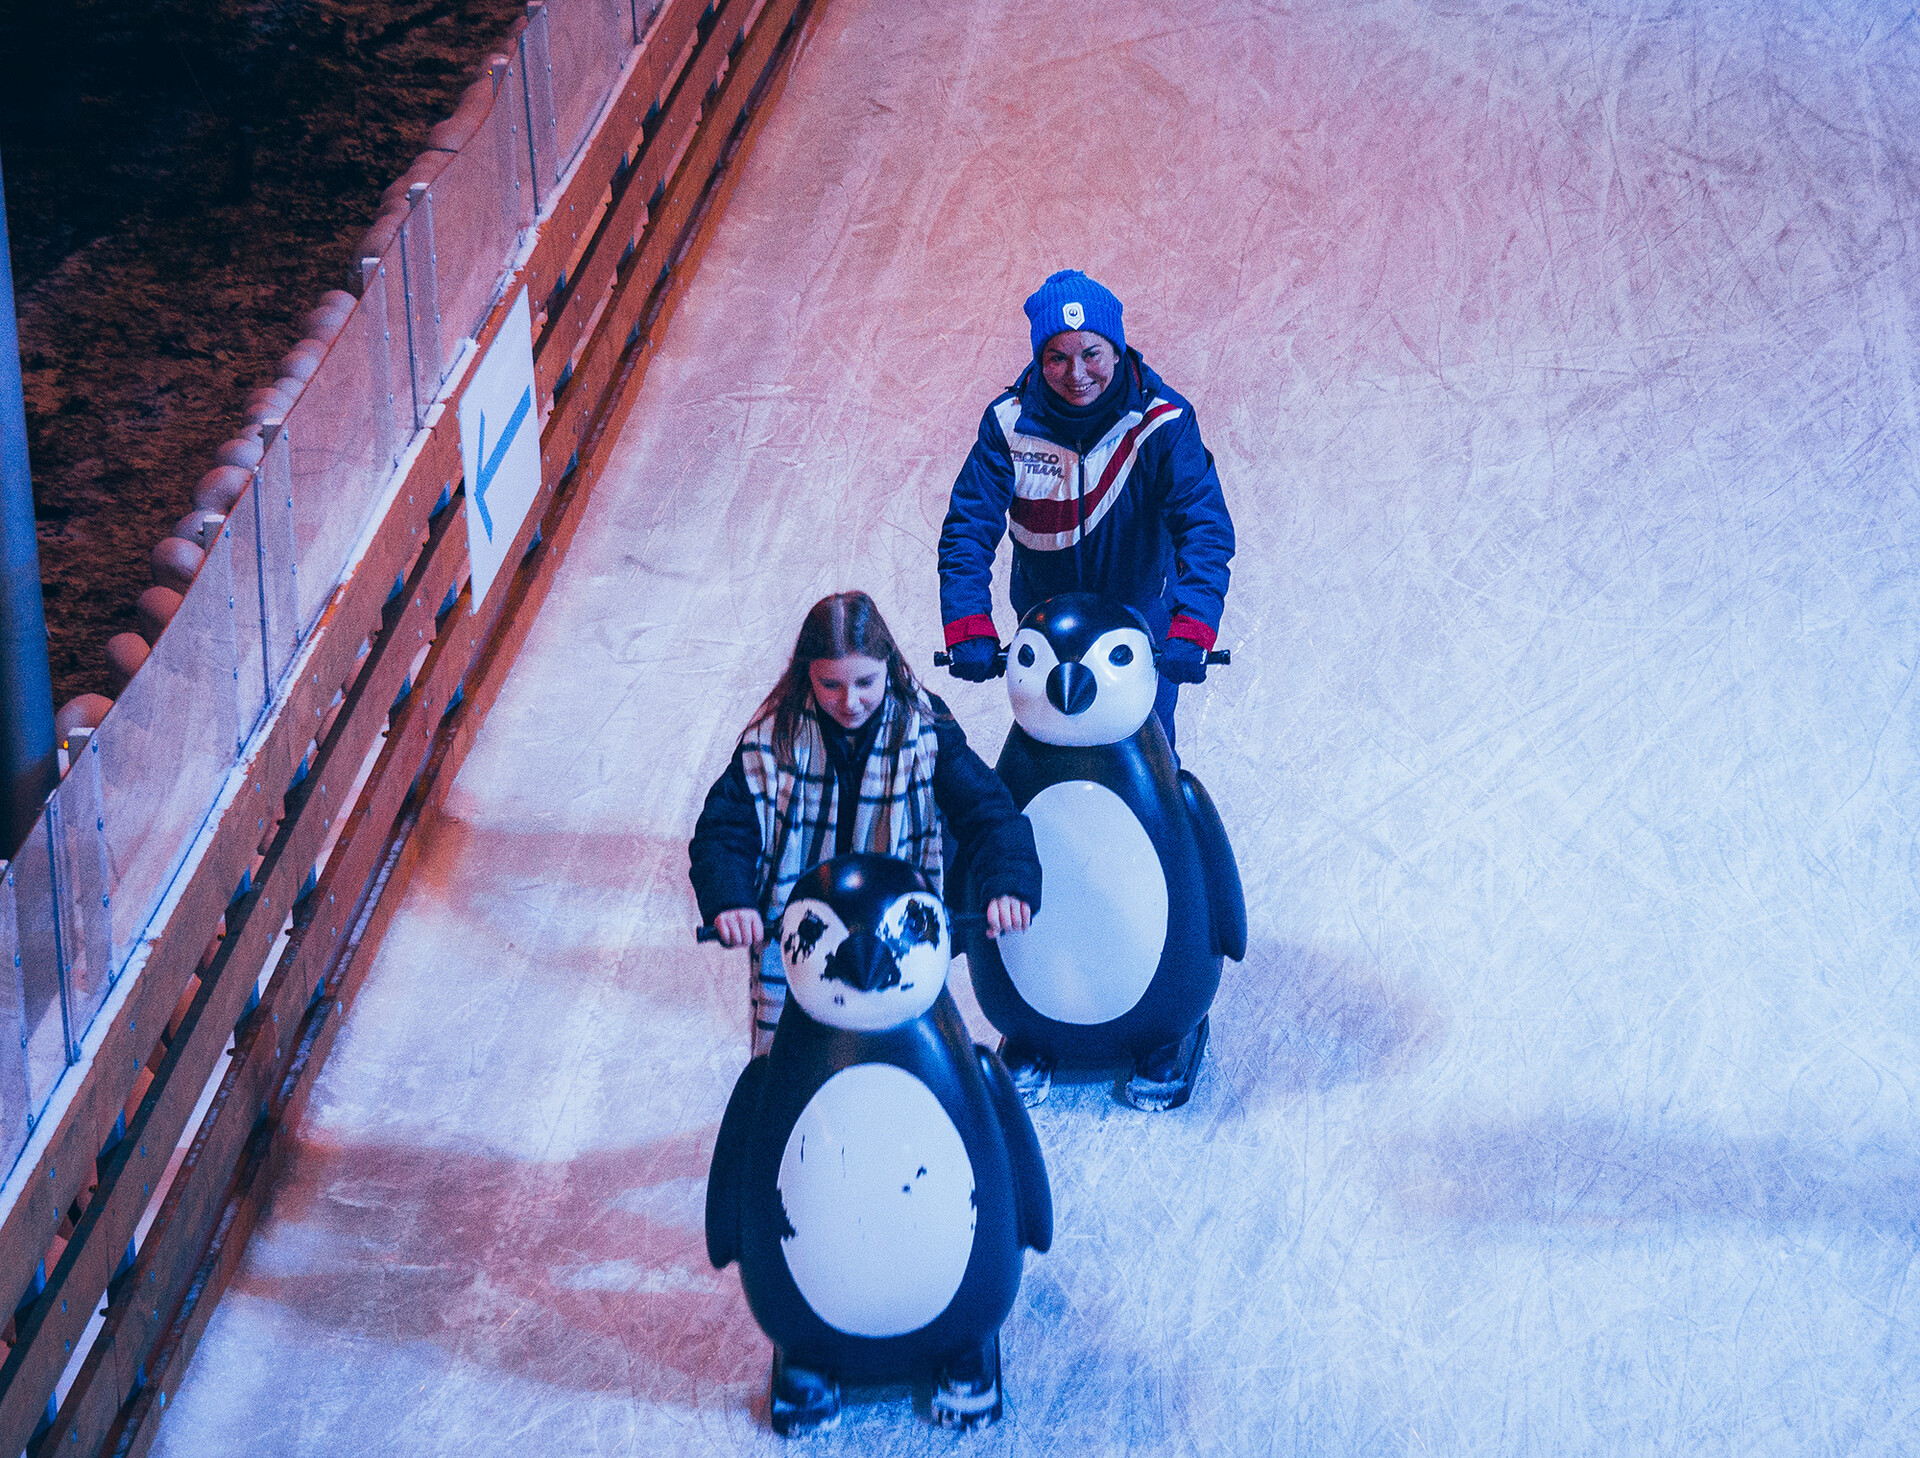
(878, 1195)
(1096, 942)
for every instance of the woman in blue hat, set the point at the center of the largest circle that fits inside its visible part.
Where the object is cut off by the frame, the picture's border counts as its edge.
(1098, 470)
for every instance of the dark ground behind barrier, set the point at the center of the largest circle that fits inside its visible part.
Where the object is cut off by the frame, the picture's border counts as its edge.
(184, 179)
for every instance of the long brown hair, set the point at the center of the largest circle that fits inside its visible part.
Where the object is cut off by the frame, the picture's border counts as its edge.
(838, 627)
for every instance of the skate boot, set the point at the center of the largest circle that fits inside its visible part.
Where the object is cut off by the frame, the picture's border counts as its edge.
(1163, 1079)
(1030, 1069)
(967, 1392)
(803, 1401)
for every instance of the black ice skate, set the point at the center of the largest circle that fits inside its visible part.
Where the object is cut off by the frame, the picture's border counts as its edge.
(967, 1393)
(1163, 1079)
(1030, 1069)
(803, 1401)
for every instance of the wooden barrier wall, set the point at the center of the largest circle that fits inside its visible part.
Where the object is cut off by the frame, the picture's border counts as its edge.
(371, 724)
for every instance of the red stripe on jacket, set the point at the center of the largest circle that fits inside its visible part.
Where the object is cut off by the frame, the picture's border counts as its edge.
(1048, 516)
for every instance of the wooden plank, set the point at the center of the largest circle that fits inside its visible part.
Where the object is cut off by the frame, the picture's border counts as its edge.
(210, 1278)
(75, 1285)
(579, 405)
(627, 217)
(66, 1166)
(188, 1211)
(421, 744)
(621, 124)
(183, 1224)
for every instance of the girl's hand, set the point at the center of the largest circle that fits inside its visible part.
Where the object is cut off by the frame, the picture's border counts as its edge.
(1007, 913)
(740, 927)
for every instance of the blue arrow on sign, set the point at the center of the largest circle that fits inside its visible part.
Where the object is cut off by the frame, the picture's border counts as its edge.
(490, 466)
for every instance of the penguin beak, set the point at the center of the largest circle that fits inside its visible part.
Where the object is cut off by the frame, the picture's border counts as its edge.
(1071, 688)
(863, 962)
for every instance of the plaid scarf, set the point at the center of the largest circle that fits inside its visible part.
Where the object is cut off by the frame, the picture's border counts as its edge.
(799, 810)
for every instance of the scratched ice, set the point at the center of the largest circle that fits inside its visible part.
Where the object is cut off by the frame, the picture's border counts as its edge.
(1560, 363)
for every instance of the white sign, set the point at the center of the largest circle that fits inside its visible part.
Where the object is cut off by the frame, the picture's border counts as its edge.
(500, 446)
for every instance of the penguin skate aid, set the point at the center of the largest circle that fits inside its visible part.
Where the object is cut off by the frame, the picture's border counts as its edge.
(875, 1174)
(848, 753)
(1097, 469)
(1123, 965)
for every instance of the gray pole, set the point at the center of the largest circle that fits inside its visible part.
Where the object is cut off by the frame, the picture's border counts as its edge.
(26, 685)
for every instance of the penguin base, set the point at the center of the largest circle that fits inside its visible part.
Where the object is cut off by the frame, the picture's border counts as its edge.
(967, 1392)
(1164, 1078)
(1030, 1069)
(804, 1401)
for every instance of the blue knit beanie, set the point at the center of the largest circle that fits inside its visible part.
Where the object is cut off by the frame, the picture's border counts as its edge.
(1071, 300)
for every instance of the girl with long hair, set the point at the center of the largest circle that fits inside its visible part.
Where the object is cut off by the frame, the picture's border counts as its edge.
(849, 753)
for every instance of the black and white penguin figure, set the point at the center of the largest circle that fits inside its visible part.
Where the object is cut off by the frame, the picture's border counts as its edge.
(876, 1175)
(1143, 892)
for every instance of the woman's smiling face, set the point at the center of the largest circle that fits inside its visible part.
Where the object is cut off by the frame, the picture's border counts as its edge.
(1078, 365)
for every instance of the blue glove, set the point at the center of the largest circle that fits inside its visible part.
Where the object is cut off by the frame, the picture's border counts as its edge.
(1183, 661)
(972, 659)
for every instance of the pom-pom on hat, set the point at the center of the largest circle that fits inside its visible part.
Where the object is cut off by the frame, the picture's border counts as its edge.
(1070, 300)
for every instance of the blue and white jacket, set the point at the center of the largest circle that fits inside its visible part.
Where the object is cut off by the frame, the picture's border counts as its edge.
(1139, 516)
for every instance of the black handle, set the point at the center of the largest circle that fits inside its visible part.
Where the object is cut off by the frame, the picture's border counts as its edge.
(1221, 656)
(945, 660)
(956, 920)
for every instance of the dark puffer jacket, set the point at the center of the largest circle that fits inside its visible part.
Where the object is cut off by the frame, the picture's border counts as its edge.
(993, 835)
(1125, 503)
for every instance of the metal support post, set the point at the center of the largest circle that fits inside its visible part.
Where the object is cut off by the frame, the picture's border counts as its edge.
(26, 683)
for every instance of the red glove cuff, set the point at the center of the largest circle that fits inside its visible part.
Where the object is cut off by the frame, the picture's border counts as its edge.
(1192, 629)
(977, 626)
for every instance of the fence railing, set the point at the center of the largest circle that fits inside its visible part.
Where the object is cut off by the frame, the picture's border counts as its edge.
(186, 911)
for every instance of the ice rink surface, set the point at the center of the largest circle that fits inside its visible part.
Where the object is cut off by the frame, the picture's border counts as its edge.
(1560, 366)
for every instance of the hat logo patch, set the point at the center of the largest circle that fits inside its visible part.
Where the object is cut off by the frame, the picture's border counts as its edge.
(1074, 315)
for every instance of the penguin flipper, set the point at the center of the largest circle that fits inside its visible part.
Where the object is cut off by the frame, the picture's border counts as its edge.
(729, 1151)
(1229, 902)
(1032, 1194)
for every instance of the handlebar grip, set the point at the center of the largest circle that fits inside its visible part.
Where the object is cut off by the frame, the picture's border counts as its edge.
(945, 660)
(707, 934)
(1222, 656)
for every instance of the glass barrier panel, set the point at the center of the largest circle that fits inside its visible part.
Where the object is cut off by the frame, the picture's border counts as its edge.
(508, 124)
(76, 823)
(371, 327)
(536, 74)
(422, 293)
(44, 1008)
(13, 1032)
(233, 568)
(340, 438)
(641, 16)
(280, 623)
(587, 44)
(475, 229)
(384, 297)
(169, 740)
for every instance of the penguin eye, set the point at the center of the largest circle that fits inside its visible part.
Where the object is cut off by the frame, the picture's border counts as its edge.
(1026, 655)
(1121, 656)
